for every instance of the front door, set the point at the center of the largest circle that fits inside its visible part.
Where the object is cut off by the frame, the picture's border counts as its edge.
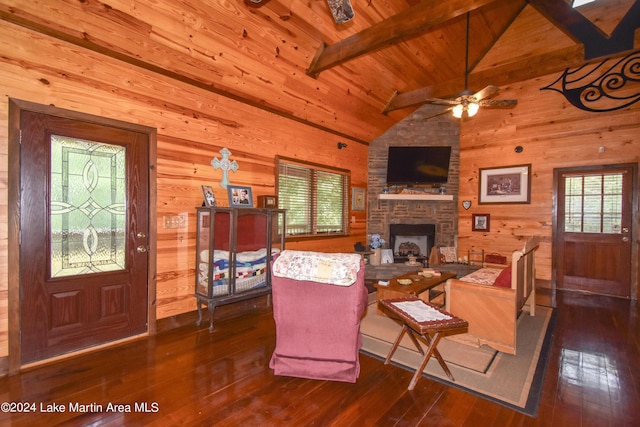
(84, 222)
(594, 229)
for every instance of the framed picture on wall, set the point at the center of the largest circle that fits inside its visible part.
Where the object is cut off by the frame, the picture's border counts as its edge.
(240, 197)
(357, 199)
(509, 184)
(480, 222)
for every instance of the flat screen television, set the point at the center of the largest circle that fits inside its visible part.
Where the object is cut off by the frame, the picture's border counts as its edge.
(418, 165)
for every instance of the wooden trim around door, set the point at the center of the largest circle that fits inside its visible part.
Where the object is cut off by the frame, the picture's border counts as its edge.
(635, 224)
(16, 107)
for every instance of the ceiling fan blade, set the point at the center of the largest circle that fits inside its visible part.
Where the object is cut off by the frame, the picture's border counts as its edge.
(487, 92)
(498, 103)
(441, 101)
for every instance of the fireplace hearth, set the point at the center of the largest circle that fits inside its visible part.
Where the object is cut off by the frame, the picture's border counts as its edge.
(411, 240)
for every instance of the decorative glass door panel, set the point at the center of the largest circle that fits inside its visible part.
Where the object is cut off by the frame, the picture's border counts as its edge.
(84, 229)
(87, 207)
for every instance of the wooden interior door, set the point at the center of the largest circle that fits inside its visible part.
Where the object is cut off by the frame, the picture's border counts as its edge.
(594, 229)
(84, 224)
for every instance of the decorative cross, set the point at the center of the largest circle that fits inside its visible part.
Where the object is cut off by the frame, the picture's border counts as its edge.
(225, 165)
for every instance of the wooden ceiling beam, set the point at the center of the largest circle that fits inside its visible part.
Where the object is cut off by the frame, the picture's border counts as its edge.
(517, 71)
(582, 30)
(409, 23)
(591, 44)
(454, 86)
(521, 70)
(517, 6)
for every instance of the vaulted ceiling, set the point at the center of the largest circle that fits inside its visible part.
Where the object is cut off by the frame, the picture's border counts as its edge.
(354, 79)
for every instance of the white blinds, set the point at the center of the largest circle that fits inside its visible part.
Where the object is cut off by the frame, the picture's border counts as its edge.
(316, 198)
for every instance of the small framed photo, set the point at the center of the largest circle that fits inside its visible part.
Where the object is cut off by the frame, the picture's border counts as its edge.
(209, 198)
(240, 197)
(387, 256)
(267, 201)
(510, 184)
(480, 222)
(357, 199)
(449, 254)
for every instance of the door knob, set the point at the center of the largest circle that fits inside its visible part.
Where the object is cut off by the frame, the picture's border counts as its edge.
(140, 235)
(625, 239)
(141, 249)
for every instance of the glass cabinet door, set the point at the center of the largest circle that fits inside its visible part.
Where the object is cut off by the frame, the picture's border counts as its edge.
(277, 230)
(202, 252)
(214, 255)
(235, 248)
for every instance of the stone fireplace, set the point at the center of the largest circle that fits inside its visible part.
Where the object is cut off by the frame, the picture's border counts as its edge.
(423, 127)
(414, 240)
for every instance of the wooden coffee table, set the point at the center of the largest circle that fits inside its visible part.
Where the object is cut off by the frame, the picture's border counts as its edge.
(422, 288)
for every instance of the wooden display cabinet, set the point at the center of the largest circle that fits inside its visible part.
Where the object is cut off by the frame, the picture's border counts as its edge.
(234, 249)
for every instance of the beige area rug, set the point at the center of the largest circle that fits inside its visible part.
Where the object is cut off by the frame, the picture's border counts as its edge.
(513, 381)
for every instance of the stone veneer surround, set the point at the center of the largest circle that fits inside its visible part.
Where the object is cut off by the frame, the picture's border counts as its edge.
(417, 130)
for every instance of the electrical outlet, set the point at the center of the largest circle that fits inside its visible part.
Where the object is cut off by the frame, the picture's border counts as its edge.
(174, 221)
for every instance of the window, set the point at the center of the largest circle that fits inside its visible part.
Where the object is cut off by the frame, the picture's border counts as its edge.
(316, 198)
(593, 203)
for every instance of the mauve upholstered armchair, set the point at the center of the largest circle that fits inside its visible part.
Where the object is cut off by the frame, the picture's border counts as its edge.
(318, 324)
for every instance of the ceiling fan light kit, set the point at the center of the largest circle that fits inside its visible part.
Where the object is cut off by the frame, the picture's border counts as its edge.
(471, 108)
(457, 111)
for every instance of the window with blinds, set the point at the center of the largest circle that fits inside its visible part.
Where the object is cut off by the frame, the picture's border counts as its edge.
(593, 203)
(316, 198)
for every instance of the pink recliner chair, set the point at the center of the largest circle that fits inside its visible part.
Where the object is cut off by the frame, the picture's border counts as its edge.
(318, 320)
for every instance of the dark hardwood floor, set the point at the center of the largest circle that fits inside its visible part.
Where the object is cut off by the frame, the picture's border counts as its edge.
(186, 376)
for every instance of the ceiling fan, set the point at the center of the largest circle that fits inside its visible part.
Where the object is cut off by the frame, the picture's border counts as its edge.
(467, 103)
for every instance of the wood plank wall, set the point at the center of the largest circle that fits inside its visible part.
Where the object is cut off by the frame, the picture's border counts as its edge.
(193, 126)
(554, 134)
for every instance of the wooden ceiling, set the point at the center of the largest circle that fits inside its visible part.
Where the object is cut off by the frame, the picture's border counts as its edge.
(355, 79)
